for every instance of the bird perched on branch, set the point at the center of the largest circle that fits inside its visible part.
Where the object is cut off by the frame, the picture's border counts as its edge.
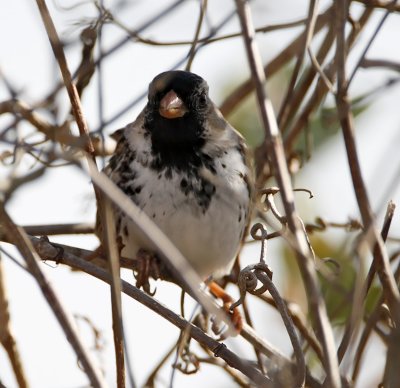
(186, 167)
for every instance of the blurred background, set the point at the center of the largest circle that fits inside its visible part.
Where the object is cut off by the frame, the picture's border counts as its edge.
(114, 97)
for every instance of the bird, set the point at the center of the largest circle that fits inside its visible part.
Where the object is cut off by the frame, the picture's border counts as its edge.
(188, 169)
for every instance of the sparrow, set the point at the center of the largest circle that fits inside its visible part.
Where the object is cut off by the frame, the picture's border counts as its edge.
(187, 168)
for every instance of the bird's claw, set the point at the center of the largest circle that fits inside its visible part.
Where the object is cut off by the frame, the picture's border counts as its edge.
(233, 313)
(147, 267)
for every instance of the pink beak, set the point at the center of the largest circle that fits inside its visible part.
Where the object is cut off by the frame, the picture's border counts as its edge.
(171, 106)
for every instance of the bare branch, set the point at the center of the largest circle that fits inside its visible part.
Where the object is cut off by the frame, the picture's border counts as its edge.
(62, 62)
(110, 243)
(346, 120)
(308, 35)
(6, 335)
(368, 63)
(321, 88)
(273, 144)
(48, 252)
(19, 238)
(374, 35)
(243, 90)
(192, 52)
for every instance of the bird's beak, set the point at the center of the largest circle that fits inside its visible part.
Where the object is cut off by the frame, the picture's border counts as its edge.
(171, 106)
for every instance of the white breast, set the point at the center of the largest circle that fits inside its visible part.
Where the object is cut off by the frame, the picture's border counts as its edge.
(209, 240)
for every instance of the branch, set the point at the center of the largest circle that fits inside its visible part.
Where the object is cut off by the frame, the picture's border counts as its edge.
(391, 65)
(370, 325)
(55, 229)
(19, 238)
(6, 336)
(50, 253)
(110, 245)
(206, 40)
(300, 322)
(62, 62)
(321, 88)
(56, 133)
(380, 4)
(298, 352)
(308, 35)
(348, 332)
(273, 144)
(346, 120)
(243, 90)
(84, 133)
(388, 12)
(192, 51)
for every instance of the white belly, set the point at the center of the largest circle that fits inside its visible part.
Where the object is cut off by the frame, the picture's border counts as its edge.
(209, 240)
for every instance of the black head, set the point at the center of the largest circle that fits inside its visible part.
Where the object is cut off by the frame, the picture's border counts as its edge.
(190, 87)
(176, 111)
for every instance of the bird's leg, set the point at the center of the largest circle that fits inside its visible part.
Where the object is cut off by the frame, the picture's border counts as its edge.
(147, 266)
(227, 301)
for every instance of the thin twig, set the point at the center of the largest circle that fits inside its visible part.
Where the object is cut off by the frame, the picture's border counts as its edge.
(6, 334)
(319, 69)
(219, 349)
(383, 4)
(62, 62)
(175, 66)
(84, 132)
(348, 332)
(374, 35)
(321, 88)
(237, 378)
(370, 325)
(110, 244)
(192, 51)
(300, 322)
(308, 78)
(56, 229)
(308, 35)
(19, 238)
(206, 40)
(243, 90)
(367, 63)
(48, 252)
(274, 145)
(372, 237)
(298, 352)
(346, 121)
(19, 108)
(391, 207)
(274, 354)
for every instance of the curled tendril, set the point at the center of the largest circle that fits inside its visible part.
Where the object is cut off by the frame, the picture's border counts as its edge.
(248, 281)
(310, 193)
(191, 364)
(258, 227)
(263, 236)
(250, 276)
(269, 203)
